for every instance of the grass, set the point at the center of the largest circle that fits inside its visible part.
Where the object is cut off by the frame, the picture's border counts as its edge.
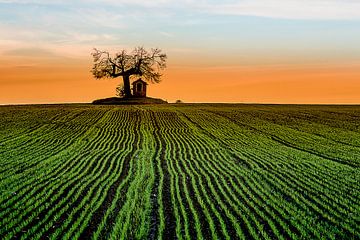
(214, 171)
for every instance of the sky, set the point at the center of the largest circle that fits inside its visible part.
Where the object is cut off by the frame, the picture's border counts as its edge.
(246, 51)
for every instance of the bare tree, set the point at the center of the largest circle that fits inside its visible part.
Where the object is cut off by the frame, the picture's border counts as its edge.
(139, 62)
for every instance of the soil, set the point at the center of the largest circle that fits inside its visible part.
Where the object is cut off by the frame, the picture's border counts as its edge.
(129, 101)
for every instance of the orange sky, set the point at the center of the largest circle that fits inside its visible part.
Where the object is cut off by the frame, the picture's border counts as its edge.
(55, 81)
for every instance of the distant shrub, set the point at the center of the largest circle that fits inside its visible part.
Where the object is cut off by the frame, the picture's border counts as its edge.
(179, 101)
(120, 90)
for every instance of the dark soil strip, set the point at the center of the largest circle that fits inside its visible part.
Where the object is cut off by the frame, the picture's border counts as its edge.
(170, 221)
(307, 196)
(260, 206)
(236, 158)
(154, 216)
(44, 212)
(246, 166)
(101, 211)
(285, 195)
(39, 124)
(283, 142)
(205, 225)
(85, 192)
(201, 177)
(239, 161)
(308, 130)
(333, 140)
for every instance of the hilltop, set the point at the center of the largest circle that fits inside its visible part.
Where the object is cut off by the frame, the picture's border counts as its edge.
(128, 101)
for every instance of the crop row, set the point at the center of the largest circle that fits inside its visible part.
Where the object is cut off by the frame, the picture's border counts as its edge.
(184, 171)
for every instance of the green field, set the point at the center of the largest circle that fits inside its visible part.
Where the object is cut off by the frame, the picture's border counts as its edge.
(201, 171)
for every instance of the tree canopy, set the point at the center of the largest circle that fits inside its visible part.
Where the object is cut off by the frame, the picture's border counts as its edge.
(140, 62)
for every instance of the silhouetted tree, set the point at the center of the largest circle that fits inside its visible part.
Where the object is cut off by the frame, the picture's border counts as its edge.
(138, 63)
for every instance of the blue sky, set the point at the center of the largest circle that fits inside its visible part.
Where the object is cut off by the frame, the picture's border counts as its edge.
(291, 27)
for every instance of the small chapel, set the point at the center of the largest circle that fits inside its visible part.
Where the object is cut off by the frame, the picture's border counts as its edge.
(139, 88)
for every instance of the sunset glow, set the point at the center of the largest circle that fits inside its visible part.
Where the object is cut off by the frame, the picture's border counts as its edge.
(218, 51)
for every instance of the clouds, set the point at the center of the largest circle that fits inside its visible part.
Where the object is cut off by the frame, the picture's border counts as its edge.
(74, 27)
(65, 29)
(29, 52)
(288, 9)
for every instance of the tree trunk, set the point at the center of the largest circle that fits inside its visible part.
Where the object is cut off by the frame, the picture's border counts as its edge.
(127, 88)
